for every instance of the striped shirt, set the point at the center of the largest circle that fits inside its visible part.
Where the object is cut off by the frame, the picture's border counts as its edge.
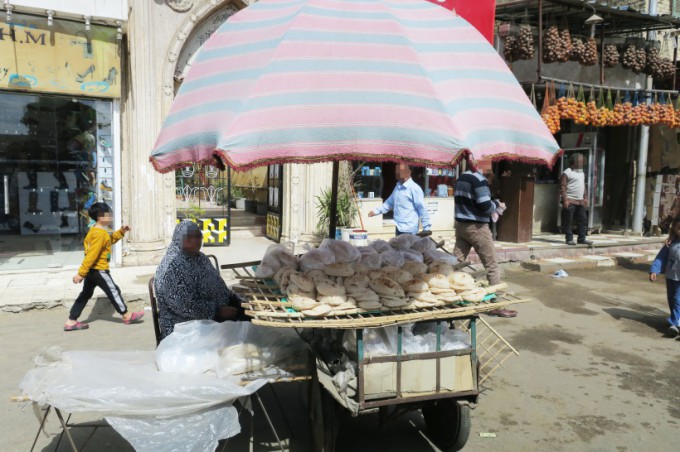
(473, 198)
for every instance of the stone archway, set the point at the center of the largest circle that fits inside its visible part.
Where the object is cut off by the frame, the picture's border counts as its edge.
(189, 30)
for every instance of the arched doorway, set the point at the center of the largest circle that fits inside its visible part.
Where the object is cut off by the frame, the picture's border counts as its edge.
(223, 201)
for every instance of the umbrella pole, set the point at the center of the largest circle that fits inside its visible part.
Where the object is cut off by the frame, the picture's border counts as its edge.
(332, 223)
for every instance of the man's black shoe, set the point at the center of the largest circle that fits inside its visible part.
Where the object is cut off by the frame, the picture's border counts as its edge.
(571, 243)
(585, 242)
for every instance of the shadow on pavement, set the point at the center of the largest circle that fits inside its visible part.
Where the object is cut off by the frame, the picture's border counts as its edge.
(656, 321)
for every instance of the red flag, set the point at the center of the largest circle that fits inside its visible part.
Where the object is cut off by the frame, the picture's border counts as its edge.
(480, 13)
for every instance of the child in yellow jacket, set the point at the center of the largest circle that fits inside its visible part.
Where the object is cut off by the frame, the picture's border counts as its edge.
(95, 269)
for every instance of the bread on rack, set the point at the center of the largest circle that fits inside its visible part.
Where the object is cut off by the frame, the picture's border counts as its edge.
(337, 269)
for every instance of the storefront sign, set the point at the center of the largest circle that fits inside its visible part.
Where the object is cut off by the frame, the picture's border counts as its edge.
(63, 58)
(432, 207)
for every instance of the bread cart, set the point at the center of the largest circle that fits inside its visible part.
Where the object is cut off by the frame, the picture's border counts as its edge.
(443, 384)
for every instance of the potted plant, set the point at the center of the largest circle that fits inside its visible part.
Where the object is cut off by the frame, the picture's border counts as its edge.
(347, 210)
(251, 198)
(193, 212)
(238, 199)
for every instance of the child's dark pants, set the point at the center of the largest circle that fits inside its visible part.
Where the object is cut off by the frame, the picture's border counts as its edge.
(103, 280)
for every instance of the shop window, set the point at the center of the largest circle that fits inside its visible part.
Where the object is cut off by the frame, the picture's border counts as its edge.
(56, 160)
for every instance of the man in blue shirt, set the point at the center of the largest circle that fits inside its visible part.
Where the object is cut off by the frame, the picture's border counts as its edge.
(408, 203)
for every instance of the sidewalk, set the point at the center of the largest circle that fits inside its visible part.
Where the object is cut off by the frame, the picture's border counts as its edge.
(52, 288)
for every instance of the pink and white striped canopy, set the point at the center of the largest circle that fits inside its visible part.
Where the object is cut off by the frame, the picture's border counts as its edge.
(318, 80)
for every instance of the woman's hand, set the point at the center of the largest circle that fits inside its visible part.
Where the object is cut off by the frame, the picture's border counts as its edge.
(652, 277)
(227, 312)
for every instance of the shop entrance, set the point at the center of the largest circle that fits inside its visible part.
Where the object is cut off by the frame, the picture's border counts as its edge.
(56, 160)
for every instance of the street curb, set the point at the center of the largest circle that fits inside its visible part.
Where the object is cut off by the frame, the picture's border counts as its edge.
(622, 259)
(129, 297)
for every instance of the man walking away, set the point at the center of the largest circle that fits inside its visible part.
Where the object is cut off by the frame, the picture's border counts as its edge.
(574, 199)
(473, 211)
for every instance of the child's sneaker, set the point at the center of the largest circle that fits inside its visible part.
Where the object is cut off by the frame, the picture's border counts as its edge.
(673, 331)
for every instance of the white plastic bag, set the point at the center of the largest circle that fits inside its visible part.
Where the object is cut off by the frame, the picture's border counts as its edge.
(403, 241)
(423, 245)
(392, 257)
(316, 259)
(381, 245)
(276, 257)
(192, 348)
(377, 341)
(366, 250)
(344, 252)
(436, 255)
(372, 261)
(410, 255)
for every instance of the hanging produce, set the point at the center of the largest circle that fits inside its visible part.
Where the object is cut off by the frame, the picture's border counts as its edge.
(550, 112)
(552, 45)
(566, 47)
(598, 115)
(581, 110)
(621, 110)
(610, 56)
(589, 57)
(667, 112)
(577, 49)
(634, 59)
(676, 106)
(665, 70)
(510, 49)
(525, 43)
(653, 62)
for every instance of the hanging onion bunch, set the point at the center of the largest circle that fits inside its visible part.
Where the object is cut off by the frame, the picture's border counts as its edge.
(552, 45)
(510, 49)
(525, 43)
(589, 57)
(634, 59)
(566, 47)
(666, 70)
(577, 49)
(653, 64)
(610, 56)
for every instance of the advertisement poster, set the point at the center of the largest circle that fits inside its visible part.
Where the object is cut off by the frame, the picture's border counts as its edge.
(64, 58)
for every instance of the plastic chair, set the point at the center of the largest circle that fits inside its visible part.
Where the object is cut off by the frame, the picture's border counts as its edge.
(213, 258)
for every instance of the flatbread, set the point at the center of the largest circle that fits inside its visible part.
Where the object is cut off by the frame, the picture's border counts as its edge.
(282, 277)
(302, 303)
(303, 281)
(369, 305)
(357, 281)
(330, 288)
(400, 276)
(423, 296)
(292, 290)
(387, 287)
(338, 269)
(319, 311)
(474, 296)
(414, 268)
(415, 285)
(375, 274)
(395, 302)
(332, 300)
(437, 280)
(461, 279)
(365, 295)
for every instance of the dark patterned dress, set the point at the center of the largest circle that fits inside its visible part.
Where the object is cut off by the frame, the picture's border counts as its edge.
(188, 287)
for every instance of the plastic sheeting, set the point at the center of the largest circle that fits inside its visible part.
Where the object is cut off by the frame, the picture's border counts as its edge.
(188, 409)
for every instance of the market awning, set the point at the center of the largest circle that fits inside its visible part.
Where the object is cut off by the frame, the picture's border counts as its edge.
(572, 14)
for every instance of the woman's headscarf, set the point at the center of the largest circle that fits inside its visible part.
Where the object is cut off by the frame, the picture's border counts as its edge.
(187, 287)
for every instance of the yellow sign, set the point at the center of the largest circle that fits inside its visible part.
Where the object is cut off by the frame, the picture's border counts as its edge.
(63, 58)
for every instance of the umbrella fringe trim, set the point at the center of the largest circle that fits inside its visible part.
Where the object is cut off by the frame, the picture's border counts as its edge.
(222, 160)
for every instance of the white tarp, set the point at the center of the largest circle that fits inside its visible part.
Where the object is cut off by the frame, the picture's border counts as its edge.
(188, 409)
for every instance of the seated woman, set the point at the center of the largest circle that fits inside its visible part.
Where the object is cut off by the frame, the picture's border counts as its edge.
(188, 286)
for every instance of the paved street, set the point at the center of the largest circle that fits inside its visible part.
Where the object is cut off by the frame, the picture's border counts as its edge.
(595, 374)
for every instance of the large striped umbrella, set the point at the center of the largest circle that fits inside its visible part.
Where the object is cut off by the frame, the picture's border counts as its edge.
(302, 81)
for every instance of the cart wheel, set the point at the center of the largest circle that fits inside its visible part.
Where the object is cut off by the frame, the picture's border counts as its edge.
(323, 416)
(448, 423)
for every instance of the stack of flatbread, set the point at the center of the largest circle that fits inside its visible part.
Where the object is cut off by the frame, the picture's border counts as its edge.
(465, 285)
(419, 293)
(390, 292)
(441, 288)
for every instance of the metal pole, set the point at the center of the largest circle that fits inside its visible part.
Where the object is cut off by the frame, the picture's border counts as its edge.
(641, 180)
(332, 221)
(540, 40)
